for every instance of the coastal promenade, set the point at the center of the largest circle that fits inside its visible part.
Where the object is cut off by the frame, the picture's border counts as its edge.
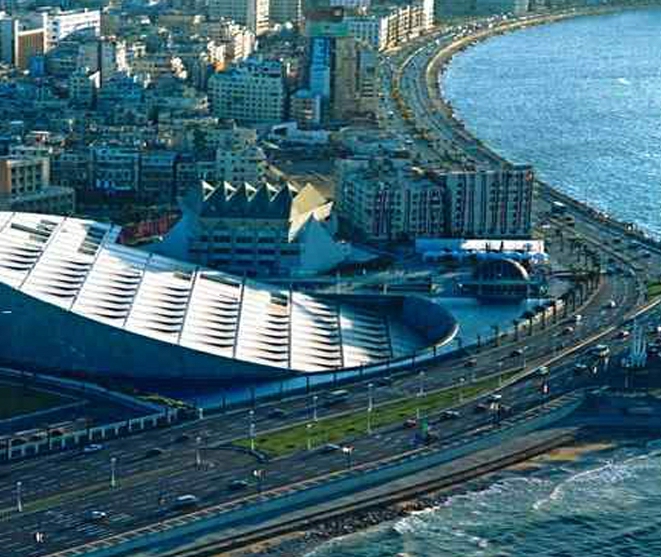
(156, 467)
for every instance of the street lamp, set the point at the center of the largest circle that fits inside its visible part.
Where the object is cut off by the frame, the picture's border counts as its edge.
(251, 429)
(348, 452)
(308, 436)
(198, 454)
(19, 496)
(113, 470)
(421, 393)
(259, 476)
(462, 380)
(314, 408)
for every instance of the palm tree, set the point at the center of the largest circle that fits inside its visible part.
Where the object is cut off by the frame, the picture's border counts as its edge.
(541, 310)
(496, 334)
(530, 316)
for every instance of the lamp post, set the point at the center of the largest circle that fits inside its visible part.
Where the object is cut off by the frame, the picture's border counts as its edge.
(19, 496)
(198, 454)
(348, 452)
(370, 406)
(308, 436)
(462, 380)
(421, 393)
(113, 472)
(251, 429)
(259, 476)
(315, 418)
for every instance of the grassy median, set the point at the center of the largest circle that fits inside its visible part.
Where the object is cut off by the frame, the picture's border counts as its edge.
(344, 428)
(653, 289)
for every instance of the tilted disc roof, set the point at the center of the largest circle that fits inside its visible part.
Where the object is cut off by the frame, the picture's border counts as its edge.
(78, 265)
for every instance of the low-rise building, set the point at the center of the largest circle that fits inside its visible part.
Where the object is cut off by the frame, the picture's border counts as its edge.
(25, 186)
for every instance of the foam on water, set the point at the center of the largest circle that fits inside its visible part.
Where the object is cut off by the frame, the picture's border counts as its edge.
(549, 513)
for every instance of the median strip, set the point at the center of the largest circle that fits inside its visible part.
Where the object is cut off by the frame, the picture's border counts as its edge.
(345, 427)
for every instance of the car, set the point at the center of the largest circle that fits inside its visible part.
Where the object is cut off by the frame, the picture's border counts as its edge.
(384, 382)
(568, 331)
(336, 397)
(482, 407)
(330, 448)
(611, 304)
(623, 334)
(449, 415)
(183, 438)
(577, 318)
(516, 353)
(93, 448)
(96, 516)
(600, 350)
(236, 485)
(154, 451)
(185, 501)
(542, 370)
(496, 397)
(277, 413)
(581, 368)
(410, 423)
(470, 363)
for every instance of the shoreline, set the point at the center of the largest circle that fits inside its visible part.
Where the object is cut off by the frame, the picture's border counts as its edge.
(438, 64)
(302, 542)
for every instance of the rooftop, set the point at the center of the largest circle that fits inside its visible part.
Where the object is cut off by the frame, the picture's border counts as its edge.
(79, 266)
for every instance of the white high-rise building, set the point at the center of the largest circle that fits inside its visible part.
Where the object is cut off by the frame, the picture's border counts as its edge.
(60, 24)
(254, 14)
(252, 92)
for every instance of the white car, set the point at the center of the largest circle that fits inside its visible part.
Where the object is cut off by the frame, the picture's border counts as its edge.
(93, 448)
(96, 516)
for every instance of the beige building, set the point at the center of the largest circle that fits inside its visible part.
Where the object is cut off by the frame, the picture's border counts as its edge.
(239, 159)
(384, 199)
(490, 203)
(25, 186)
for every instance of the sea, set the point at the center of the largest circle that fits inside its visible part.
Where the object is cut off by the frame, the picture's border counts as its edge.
(581, 101)
(603, 504)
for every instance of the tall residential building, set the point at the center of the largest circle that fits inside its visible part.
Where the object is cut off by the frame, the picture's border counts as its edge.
(60, 24)
(254, 14)
(252, 92)
(25, 186)
(385, 199)
(490, 203)
(239, 159)
(115, 169)
(83, 86)
(283, 11)
(389, 26)
(19, 41)
(332, 62)
(236, 41)
(388, 199)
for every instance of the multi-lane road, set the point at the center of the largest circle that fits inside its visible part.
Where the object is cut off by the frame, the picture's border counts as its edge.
(59, 491)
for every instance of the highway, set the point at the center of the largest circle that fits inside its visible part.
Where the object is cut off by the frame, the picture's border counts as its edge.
(57, 491)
